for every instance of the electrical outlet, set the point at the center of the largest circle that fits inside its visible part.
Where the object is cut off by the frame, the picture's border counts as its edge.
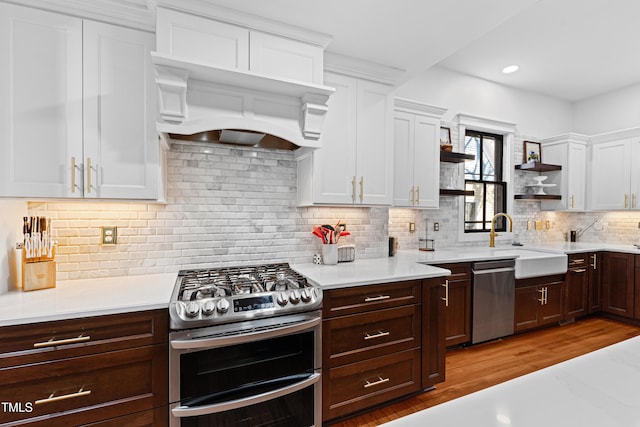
(412, 227)
(529, 225)
(538, 225)
(436, 226)
(109, 235)
(547, 225)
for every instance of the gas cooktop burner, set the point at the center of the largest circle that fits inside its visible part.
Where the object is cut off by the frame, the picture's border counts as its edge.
(222, 295)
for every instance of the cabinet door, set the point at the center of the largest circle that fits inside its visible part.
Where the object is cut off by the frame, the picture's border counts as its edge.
(433, 333)
(40, 103)
(635, 175)
(426, 160)
(618, 283)
(285, 58)
(403, 159)
(527, 303)
(610, 176)
(552, 309)
(576, 177)
(374, 160)
(334, 174)
(201, 39)
(457, 307)
(577, 291)
(595, 282)
(120, 140)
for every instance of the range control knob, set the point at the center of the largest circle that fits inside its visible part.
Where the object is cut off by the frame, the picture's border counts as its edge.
(208, 308)
(282, 299)
(191, 309)
(305, 295)
(294, 296)
(223, 306)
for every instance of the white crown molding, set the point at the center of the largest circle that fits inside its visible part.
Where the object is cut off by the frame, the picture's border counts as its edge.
(354, 67)
(416, 107)
(616, 135)
(243, 19)
(138, 14)
(484, 124)
(567, 137)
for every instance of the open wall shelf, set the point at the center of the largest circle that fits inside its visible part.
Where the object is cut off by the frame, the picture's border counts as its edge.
(451, 157)
(538, 167)
(445, 192)
(537, 197)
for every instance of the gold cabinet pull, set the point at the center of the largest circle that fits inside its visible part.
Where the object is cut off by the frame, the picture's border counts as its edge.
(353, 189)
(88, 174)
(361, 188)
(633, 200)
(73, 174)
(446, 293)
(412, 196)
(418, 196)
(377, 298)
(378, 334)
(53, 343)
(626, 198)
(595, 261)
(53, 398)
(573, 200)
(379, 381)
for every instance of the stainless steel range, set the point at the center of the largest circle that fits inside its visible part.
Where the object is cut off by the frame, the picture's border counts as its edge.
(245, 348)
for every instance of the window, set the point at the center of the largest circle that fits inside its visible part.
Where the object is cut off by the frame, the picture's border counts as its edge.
(483, 176)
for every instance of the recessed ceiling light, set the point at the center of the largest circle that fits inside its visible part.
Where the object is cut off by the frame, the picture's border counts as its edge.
(510, 69)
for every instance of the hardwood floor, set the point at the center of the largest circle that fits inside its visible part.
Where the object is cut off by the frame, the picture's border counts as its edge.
(474, 368)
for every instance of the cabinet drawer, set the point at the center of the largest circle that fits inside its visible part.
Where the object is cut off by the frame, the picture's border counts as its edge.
(158, 417)
(578, 260)
(349, 339)
(459, 270)
(360, 385)
(87, 388)
(46, 341)
(340, 302)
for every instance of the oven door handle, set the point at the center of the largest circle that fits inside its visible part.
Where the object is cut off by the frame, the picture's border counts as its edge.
(184, 411)
(213, 342)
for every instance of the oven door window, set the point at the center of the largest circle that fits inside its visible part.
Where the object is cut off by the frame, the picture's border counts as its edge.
(223, 374)
(290, 410)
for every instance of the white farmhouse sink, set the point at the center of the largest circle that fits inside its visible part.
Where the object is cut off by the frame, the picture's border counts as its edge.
(535, 263)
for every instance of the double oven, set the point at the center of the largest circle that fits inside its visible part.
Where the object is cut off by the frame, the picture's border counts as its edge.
(245, 348)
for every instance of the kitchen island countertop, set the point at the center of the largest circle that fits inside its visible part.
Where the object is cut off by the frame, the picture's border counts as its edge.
(593, 390)
(87, 297)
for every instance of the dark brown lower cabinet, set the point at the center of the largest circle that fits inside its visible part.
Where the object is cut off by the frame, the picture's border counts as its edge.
(380, 342)
(457, 310)
(104, 369)
(618, 283)
(539, 301)
(577, 286)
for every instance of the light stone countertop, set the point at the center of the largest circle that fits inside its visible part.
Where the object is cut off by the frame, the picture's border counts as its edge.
(578, 247)
(87, 297)
(597, 389)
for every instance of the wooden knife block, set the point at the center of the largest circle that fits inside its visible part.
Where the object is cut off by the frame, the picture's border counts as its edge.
(38, 273)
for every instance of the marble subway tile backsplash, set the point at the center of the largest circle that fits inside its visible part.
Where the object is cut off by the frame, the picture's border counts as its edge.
(226, 206)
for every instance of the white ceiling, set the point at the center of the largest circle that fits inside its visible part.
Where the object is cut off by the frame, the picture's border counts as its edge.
(568, 49)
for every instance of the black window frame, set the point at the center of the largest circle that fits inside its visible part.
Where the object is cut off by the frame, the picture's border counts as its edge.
(500, 224)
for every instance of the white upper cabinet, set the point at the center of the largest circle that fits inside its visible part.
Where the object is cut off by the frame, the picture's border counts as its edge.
(570, 152)
(216, 43)
(198, 38)
(40, 103)
(354, 165)
(120, 140)
(416, 155)
(77, 108)
(615, 180)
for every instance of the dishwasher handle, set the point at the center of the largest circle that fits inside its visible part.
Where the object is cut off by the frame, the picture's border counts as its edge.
(494, 265)
(493, 271)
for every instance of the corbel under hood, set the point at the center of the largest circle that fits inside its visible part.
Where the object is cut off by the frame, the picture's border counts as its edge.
(197, 97)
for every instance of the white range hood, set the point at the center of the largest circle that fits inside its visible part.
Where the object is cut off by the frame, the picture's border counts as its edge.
(199, 95)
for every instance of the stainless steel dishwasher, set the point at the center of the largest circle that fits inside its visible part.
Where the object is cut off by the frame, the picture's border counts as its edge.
(493, 299)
